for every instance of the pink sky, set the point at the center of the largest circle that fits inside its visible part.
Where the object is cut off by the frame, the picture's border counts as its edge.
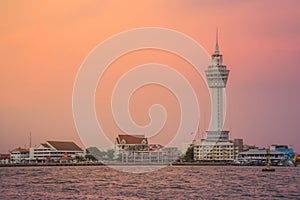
(42, 46)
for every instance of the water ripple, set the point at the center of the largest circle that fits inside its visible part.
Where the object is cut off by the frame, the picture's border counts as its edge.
(182, 182)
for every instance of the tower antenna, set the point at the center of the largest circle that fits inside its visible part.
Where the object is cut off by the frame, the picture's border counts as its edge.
(29, 139)
(217, 42)
(217, 39)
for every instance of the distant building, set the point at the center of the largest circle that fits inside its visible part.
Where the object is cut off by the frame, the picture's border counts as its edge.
(239, 143)
(215, 151)
(135, 149)
(254, 154)
(259, 155)
(19, 155)
(4, 158)
(125, 142)
(283, 148)
(54, 151)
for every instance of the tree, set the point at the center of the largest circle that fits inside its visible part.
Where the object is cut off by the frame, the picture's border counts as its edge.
(90, 157)
(189, 154)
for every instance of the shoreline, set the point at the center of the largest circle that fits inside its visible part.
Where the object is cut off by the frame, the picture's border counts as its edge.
(130, 164)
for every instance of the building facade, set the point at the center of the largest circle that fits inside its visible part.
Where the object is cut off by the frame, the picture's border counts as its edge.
(134, 149)
(54, 151)
(215, 151)
(259, 155)
(278, 154)
(283, 148)
(4, 158)
(19, 155)
(239, 143)
(126, 143)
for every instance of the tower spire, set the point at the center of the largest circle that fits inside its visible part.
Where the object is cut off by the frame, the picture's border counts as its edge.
(29, 139)
(217, 51)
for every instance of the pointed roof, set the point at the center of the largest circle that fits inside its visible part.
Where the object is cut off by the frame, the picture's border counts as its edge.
(64, 146)
(21, 150)
(45, 145)
(4, 156)
(132, 139)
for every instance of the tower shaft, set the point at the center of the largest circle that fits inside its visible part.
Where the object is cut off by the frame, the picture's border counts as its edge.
(217, 109)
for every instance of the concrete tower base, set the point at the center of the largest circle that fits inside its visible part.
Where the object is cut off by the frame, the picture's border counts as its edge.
(217, 136)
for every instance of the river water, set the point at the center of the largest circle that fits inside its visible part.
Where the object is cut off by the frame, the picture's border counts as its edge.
(176, 182)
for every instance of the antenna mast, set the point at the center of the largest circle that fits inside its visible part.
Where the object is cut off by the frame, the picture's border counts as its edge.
(29, 139)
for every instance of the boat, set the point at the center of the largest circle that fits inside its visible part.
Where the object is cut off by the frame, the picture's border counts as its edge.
(268, 168)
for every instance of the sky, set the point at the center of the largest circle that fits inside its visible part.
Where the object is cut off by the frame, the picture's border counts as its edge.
(43, 44)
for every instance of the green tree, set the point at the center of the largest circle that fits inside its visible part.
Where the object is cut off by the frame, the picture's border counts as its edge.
(189, 154)
(90, 157)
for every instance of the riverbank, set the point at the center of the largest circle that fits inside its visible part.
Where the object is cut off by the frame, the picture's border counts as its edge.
(122, 164)
(50, 164)
(112, 164)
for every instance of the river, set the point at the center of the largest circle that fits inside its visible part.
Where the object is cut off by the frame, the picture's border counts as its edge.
(176, 182)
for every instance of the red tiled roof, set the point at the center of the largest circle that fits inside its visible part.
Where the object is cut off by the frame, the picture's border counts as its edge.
(132, 139)
(45, 145)
(4, 156)
(64, 146)
(21, 150)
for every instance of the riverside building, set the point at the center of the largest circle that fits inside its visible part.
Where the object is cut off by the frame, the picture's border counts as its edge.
(134, 149)
(54, 151)
(19, 155)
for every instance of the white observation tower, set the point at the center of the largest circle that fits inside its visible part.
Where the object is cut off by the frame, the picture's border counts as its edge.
(217, 76)
(217, 146)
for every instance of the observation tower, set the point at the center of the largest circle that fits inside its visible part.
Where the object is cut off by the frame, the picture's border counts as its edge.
(217, 76)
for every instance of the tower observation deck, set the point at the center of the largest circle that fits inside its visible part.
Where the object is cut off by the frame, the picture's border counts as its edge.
(217, 76)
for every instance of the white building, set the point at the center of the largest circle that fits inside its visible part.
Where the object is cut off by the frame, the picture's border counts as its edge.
(19, 155)
(260, 155)
(4, 158)
(135, 149)
(54, 150)
(125, 142)
(216, 146)
(215, 151)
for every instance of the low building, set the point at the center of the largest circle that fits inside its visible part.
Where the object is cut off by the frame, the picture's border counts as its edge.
(19, 155)
(215, 151)
(239, 143)
(125, 142)
(54, 151)
(4, 158)
(283, 148)
(135, 149)
(259, 155)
